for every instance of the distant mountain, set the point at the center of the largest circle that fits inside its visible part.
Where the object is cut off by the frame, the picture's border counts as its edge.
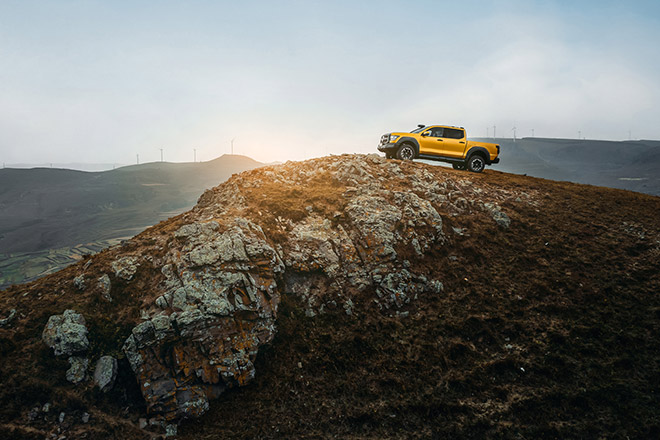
(631, 165)
(44, 209)
(68, 166)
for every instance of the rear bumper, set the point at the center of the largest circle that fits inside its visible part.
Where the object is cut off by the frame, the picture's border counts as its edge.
(496, 160)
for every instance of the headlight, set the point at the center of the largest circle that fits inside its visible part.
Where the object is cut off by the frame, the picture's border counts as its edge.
(393, 138)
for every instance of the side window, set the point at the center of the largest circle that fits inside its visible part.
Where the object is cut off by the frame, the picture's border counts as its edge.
(453, 133)
(436, 132)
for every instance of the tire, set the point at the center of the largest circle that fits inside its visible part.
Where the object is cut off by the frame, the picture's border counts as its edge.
(406, 152)
(458, 166)
(476, 163)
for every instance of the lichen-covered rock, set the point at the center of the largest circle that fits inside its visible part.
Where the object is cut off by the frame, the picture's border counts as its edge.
(79, 282)
(66, 334)
(77, 371)
(105, 373)
(105, 287)
(125, 268)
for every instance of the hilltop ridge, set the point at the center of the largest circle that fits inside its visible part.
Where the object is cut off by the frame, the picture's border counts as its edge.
(358, 297)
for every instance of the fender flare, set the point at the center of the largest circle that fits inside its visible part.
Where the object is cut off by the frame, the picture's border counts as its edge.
(409, 140)
(482, 150)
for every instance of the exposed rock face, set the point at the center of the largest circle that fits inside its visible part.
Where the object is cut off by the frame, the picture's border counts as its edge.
(66, 334)
(219, 304)
(223, 274)
(105, 373)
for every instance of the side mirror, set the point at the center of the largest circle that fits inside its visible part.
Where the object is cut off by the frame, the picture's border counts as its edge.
(426, 133)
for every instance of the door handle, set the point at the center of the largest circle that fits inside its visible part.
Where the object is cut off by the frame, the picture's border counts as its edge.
(440, 140)
(461, 142)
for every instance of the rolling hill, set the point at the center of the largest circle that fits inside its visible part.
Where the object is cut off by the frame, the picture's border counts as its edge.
(50, 217)
(631, 165)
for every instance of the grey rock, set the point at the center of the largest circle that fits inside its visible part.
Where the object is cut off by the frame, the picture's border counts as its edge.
(171, 430)
(105, 373)
(66, 334)
(161, 302)
(6, 322)
(77, 371)
(125, 268)
(79, 282)
(105, 287)
(498, 215)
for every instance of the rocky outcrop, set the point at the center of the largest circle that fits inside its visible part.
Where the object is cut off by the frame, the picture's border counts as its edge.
(218, 305)
(226, 265)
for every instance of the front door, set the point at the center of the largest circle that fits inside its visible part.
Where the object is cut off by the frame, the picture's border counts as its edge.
(431, 141)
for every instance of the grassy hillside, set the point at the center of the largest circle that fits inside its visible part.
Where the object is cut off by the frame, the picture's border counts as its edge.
(546, 326)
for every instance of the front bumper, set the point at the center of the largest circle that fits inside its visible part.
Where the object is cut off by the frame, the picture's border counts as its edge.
(387, 147)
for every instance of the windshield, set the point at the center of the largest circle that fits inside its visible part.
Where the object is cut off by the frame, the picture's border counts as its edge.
(418, 129)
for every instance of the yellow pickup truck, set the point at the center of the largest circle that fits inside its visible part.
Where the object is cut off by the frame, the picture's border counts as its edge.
(443, 143)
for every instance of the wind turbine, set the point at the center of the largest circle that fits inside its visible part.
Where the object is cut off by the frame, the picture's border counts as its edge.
(161, 154)
(514, 133)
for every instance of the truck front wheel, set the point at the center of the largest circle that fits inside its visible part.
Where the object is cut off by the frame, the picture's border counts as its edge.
(405, 152)
(476, 163)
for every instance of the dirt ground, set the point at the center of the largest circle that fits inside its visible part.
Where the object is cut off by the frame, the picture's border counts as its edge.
(547, 329)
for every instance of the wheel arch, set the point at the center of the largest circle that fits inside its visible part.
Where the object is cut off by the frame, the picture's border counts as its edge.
(411, 141)
(480, 151)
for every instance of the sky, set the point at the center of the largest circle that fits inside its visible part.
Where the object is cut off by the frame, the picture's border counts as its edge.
(106, 81)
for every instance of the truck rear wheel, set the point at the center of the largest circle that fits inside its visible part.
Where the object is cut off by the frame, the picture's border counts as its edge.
(476, 163)
(405, 152)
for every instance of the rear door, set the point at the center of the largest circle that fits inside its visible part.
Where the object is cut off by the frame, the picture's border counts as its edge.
(454, 142)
